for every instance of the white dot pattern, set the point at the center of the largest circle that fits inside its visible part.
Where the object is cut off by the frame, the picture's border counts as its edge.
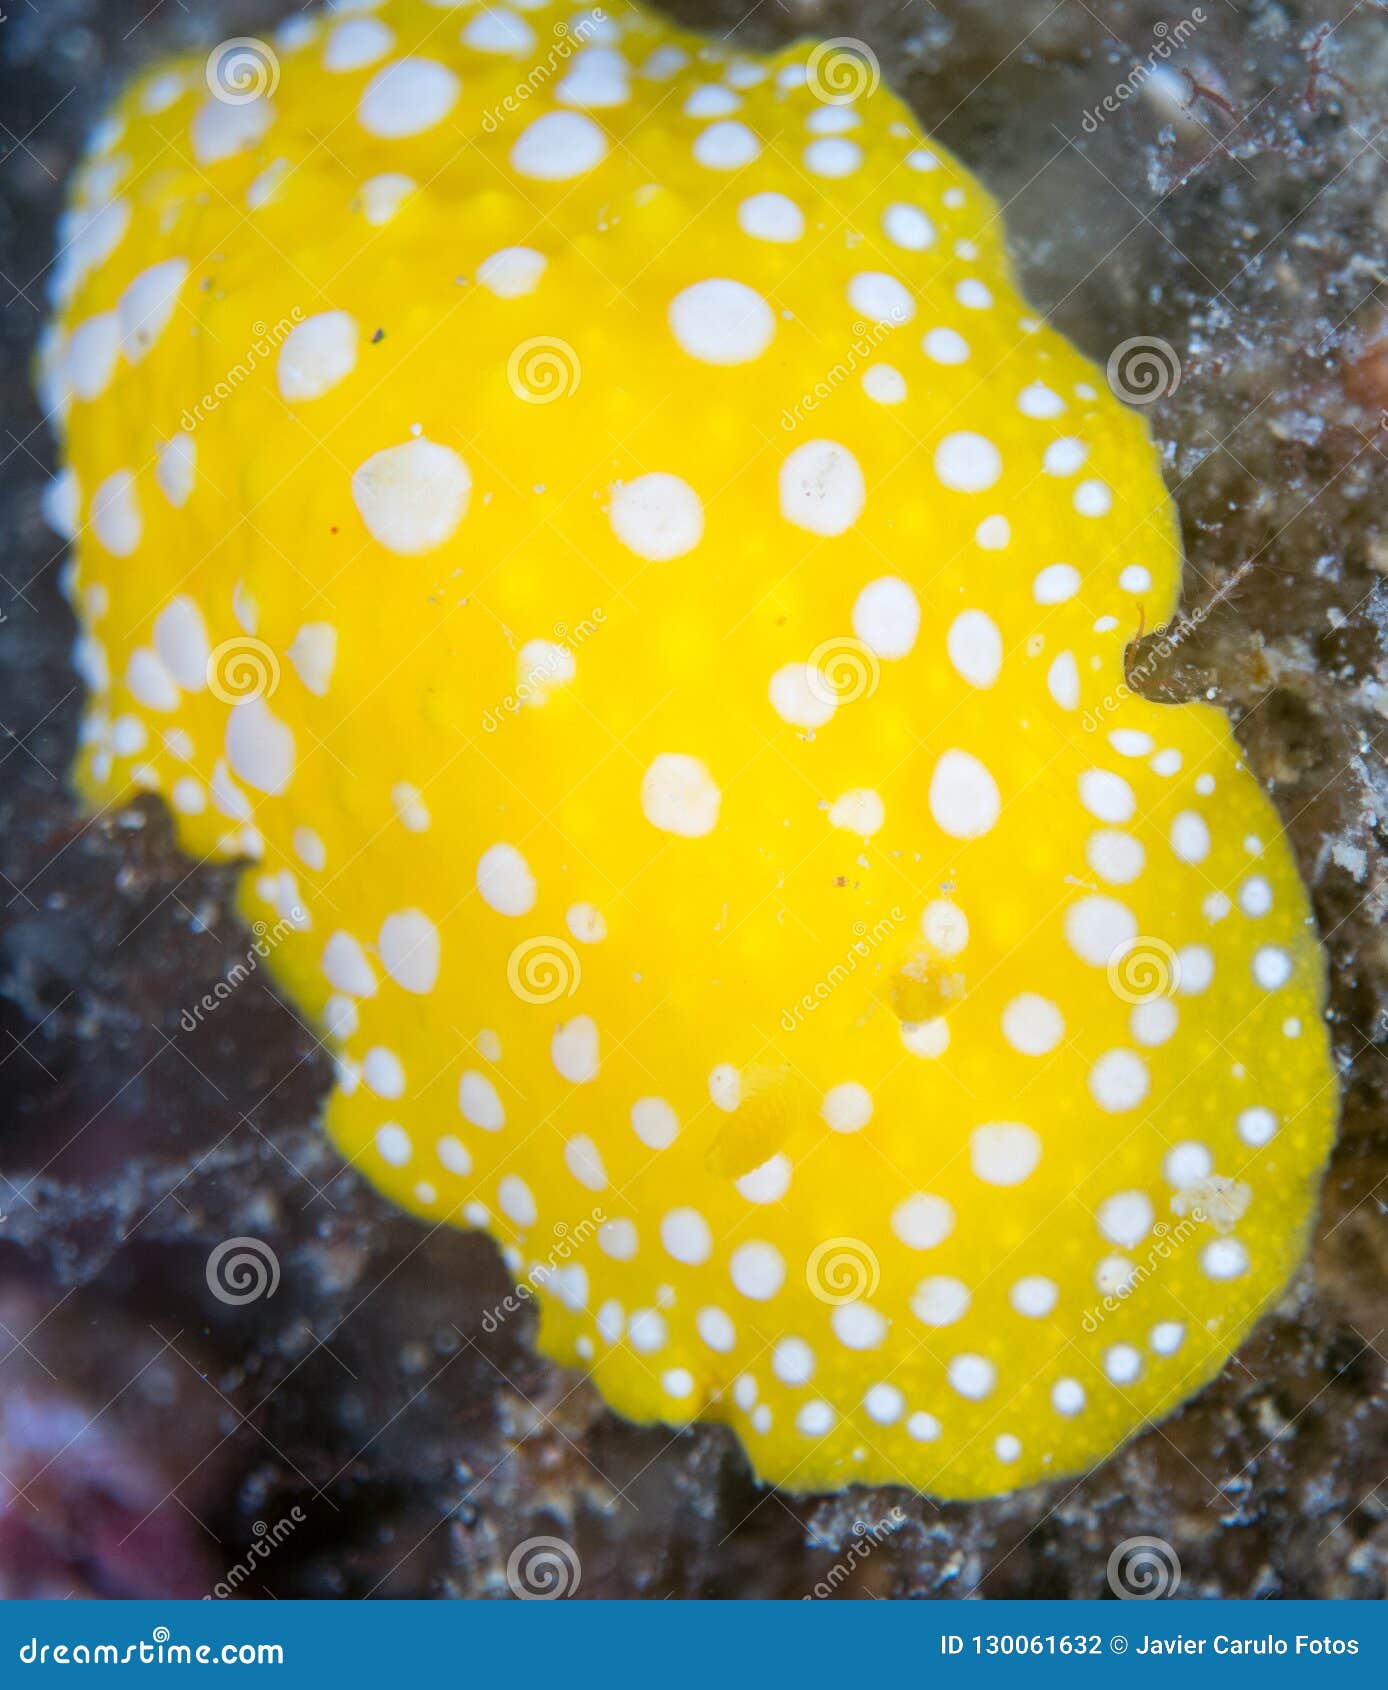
(675, 729)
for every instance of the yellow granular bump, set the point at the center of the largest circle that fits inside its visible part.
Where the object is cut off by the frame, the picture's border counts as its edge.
(587, 513)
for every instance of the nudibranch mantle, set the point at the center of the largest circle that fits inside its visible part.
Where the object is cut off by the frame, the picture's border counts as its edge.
(585, 512)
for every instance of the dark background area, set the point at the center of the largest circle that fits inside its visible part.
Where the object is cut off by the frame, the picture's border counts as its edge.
(360, 1425)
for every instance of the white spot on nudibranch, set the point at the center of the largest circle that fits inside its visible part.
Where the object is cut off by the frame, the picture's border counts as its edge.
(412, 497)
(407, 97)
(721, 322)
(860, 811)
(822, 488)
(512, 272)
(975, 647)
(316, 355)
(496, 30)
(115, 514)
(559, 146)
(887, 617)
(922, 1221)
(657, 516)
(847, 1108)
(757, 1270)
(259, 747)
(505, 881)
(771, 217)
(1004, 1152)
(479, 1102)
(147, 304)
(679, 795)
(175, 469)
(356, 43)
(574, 1050)
(409, 947)
(313, 652)
(967, 463)
(964, 798)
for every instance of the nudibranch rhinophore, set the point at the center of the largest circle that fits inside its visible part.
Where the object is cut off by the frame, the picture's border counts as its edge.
(585, 513)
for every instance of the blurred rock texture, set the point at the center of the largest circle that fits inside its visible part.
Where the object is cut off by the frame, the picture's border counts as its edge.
(1235, 205)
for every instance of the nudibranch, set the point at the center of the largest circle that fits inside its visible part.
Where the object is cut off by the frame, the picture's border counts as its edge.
(584, 513)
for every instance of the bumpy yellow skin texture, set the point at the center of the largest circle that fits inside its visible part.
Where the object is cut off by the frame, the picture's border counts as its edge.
(799, 1111)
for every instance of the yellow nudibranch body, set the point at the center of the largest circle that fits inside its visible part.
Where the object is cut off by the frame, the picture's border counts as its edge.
(585, 512)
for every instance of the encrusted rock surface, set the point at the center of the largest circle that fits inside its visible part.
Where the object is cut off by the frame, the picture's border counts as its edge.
(372, 1424)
